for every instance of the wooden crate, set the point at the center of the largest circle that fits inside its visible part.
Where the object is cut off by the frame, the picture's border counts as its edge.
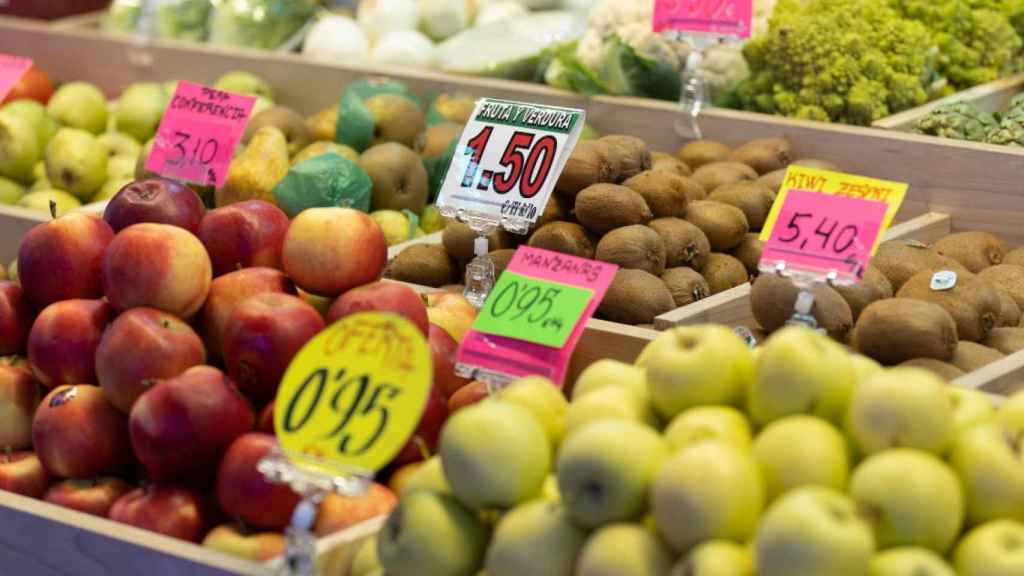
(991, 97)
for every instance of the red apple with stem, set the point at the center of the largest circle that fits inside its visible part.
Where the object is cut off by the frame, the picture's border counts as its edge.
(244, 234)
(61, 259)
(329, 251)
(167, 509)
(156, 200)
(382, 296)
(242, 491)
(89, 495)
(77, 433)
(228, 291)
(63, 340)
(15, 318)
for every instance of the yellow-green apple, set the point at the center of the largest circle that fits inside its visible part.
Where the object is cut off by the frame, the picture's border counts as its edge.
(158, 266)
(909, 561)
(23, 473)
(400, 476)
(15, 318)
(328, 251)
(336, 512)
(242, 491)
(528, 528)
(244, 235)
(801, 451)
(167, 509)
(61, 259)
(716, 558)
(180, 427)
(365, 561)
(703, 423)
(990, 463)
(469, 394)
(715, 486)
(992, 549)
(382, 296)
(864, 367)
(910, 498)
(494, 454)
(258, 547)
(262, 335)
(89, 495)
(156, 200)
(77, 433)
(1011, 414)
(443, 350)
(813, 531)
(695, 366)
(428, 476)
(141, 347)
(430, 534)
(229, 290)
(452, 312)
(617, 403)
(607, 372)
(624, 550)
(423, 441)
(63, 340)
(546, 402)
(901, 407)
(970, 407)
(19, 396)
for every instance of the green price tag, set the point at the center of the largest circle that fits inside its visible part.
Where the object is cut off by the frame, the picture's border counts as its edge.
(533, 310)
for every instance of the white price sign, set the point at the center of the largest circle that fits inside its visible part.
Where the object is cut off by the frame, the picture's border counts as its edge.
(508, 159)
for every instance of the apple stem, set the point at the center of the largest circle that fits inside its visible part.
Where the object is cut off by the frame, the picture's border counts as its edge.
(422, 446)
(53, 209)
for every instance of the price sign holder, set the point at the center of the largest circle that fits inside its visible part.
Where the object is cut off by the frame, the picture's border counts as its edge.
(503, 173)
(12, 68)
(347, 404)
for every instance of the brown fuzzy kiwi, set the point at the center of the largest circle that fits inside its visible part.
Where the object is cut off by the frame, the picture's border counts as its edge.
(1015, 256)
(635, 297)
(900, 260)
(1007, 339)
(817, 164)
(943, 370)
(564, 237)
(686, 285)
(894, 330)
(764, 154)
(1009, 312)
(501, 258)
(556, 210)
(591, 162)
(1009, 277)
(637, 246)
(723, 272)
(685, 244)
(972, 302)
(423, 264)
(873, 286)
(772, 298)
(669, 163)
(752, 198)
(605, 207)
(749, 252)
(773, 180)
(701, 152)
(975, 250)
(458, 240)
(716, 174)
(664, 192)
(971, 356)
(724, 225)
(634, 155)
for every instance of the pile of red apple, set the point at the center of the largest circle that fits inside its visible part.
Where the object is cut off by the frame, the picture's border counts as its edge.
(159, 334)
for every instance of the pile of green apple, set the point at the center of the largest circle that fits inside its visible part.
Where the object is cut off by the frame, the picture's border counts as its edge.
(707, 458)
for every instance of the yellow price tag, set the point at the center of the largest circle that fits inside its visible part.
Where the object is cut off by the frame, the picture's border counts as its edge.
(838, 184)
(355, 393)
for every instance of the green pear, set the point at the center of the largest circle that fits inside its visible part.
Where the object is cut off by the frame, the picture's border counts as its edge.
(110, 188)
(140, 109)
(76, 161)
(10, 191)
(365, 560)
(992, 549)
(254, 173)
(529, 528)
(716, 558)
(39, 200)
(399, 177)
(79, 105)
(801, 451)
(703, 423)
(242, 82)
(970, 407)
(909, 561)
(546, 402)
(607, 372)
(119, 144)
(19, 148)
(324, 147)
(35, 113)
(605, 471)
(430, 534)
(396, 118)
(429, 476)
(990, 463)
(624, 550)
(121, 167)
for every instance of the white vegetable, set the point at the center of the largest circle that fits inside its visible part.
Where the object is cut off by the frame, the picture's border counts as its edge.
(408, 48)
(336, 39)
(379, 17)
(608, 15)
(724, 67)
(441, 19)
(579, 5)
(499, 11)
(528, 4)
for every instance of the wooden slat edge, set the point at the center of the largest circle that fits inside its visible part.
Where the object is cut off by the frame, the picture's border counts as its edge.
(1003, 377)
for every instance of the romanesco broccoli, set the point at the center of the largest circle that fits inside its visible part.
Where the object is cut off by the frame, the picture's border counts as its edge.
(958, 120)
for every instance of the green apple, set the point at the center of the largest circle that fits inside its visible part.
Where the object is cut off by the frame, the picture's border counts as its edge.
(365, 560)
(120, 167)
(813, 531)
(140, 109)
(610, 373)
(546, 402)
(494, 454)
(801, 451)
(35, 113)
(76, 162)
(430, 534)
(431, 220)
(864, 367)
(801, 371)
(79, 105)
(605, 471)
(244, 83)
(970, 407)
(623, 550)
(723, 423)
(1011, 413)
(110, 188)
(119, 144)
(716, 558)
(910, 498)
(19, 148)
(39, 200)
(901, 407)
(395, 225)
(909, 561)
(710, 490)
(606, 404)
(429, 476)
(992, 549)
(990, 463)
(10, 191)
(529, 528)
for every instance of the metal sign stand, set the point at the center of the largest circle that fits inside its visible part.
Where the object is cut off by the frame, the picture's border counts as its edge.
(480, 275)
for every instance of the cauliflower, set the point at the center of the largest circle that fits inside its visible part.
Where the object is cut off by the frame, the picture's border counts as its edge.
(762, 13)
(380, 17)
(608, 15)
(336, 39)
(724, 68)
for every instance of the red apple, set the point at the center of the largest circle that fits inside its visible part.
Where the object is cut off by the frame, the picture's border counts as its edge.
(381, 296)
(63, 340)
(61, 259)
(140, 347)
(244, 234)
(19, 396)
(423, 442)
(471, 393)
(181, 426)
(157, 266)
(228, 290)
(452, 312)
(33, 85)
(257, 547)
(340, 512)
(155, 200)
(22, 473)
(328, 251)
(262, 335)
(89, 495)
(244, 494)
(265, 422)
(443, 349)
(15, 318)
(77, 433)
(164, 508)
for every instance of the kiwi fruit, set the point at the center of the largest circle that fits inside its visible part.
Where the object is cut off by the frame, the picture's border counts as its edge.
(635, 297)
(972, 302)
(288, 121)
(591, 162)
(1009, 312)
(817, 164)
(764, 154)
(773, 180)
(1015, 256)
(686, 285)
(971, 356)
(556, 210)
(873, 286)
(701, 152)
(752, 198)
(1009, 277)
(564, 237)
(895, 330)
(685, 244)
(748, 251)
(605, 207)
(716, 174)
(501, 258)
(900, 260)
(1007, 339)
(459, 240)
(637, 246)
(669, 163)
(724, 225)
(634, 156)
(943, 370)
(974, 250)
(663, 191)
(723, 272)
(423, 264)
(773, 297)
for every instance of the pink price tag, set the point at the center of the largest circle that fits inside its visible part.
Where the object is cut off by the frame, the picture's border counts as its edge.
(517, 358)
(198, 134)
(726, 17)
(12, 68)
(823, 233)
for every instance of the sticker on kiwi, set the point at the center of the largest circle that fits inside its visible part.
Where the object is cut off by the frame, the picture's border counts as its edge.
(943, 280)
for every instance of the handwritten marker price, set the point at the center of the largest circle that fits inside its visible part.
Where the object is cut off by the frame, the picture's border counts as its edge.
(729, 17)
(533, 310)
(12, 68)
